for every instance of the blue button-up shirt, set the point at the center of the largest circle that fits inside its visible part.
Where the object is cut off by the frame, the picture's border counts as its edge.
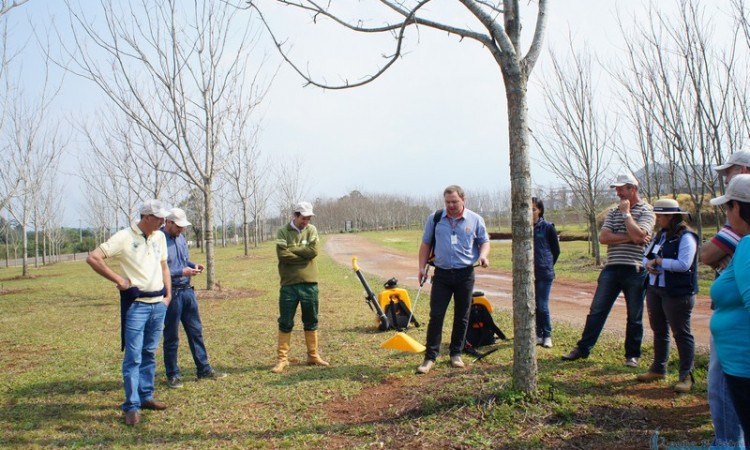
(178, 258)
(463, 250)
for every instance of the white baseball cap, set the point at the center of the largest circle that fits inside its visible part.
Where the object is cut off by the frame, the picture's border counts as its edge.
(154, 207)
(623, 179)
(305, 209)
(179, 217)
(740, 158)
(738, 189)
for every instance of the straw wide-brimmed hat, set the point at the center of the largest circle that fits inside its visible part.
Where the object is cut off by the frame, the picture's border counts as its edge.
(668, 206)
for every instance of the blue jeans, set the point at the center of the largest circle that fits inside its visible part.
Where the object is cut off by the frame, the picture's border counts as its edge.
(667, 312)
(143, 327)
(184, 308)
(727, 429)
(542, 289)
(613, 280)
(459, 284)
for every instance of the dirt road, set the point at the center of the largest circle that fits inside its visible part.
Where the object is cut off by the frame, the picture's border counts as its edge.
(569, 301)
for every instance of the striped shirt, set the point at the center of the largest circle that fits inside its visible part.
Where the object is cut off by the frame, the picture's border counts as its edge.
(726, 239)
(628, 254)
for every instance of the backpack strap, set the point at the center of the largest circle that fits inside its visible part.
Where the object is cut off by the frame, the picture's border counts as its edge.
(435, 219)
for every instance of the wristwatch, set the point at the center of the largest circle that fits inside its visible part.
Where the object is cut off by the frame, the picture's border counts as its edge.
(626, 215)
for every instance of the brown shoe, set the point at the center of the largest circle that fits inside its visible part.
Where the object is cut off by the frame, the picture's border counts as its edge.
(685, 384)
(132, 418)
(154, 404)
(650, 376)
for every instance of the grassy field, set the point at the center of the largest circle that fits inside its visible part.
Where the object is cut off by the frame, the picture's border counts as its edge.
(61, 383)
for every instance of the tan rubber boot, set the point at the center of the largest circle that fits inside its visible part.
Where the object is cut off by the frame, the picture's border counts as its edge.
(313, 358)
(283, 352)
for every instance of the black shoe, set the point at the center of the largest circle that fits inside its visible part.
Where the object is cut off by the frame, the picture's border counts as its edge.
(574, 354)
(174, 382)
(212, 375)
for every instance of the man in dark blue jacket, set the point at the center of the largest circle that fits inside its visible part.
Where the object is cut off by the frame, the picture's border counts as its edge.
(184, 306)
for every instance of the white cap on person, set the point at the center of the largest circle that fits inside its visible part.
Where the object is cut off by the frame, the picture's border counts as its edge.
(623, 179)
(179, 217)
(740, 158)
(154, 207)
(738, 189)
(305, 209)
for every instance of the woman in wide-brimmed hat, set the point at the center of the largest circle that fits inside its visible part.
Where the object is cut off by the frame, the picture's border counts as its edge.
(671, 261)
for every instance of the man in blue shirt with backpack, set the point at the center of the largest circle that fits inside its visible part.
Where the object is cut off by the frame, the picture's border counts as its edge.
(460, 239)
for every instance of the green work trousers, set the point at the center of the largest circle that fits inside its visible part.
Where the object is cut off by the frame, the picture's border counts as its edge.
(304, 294)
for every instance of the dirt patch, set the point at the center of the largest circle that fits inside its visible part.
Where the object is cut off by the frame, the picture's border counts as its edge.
(569, 301)
(382, 402)
(21, 278)
(222, 293)
(5, 291)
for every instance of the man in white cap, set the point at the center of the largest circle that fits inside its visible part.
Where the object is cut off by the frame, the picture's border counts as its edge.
(626, 231)
(145, 292)
(184, 306)
(717, 253)
(296, 248)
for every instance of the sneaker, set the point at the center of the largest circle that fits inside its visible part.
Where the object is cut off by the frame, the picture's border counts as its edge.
(539, 340)
(684, 385)
(631, 362)
(574, 354)
(174, 382)
(650, 376)
(426, 366)
(547, 343)
(212, 375)
(457, 362)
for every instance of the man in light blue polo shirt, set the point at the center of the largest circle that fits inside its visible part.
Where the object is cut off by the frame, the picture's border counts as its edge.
(460, 239)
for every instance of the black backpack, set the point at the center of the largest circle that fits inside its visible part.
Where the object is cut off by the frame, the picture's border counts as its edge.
(398, 315)
(482, 328)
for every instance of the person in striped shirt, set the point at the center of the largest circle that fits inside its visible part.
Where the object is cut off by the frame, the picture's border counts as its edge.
(626, 231)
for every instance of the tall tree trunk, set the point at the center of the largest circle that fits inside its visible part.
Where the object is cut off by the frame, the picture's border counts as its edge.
(524, 349)
(209, 236)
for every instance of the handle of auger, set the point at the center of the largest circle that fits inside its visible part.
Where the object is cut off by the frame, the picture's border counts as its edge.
(370, 298)
(414, 303)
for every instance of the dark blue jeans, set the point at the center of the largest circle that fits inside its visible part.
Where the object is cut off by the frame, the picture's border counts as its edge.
(664, 313)
(459, 284)
(143, 329)
(542, 289)
(613, 280)
(184, 308)
(739, 387)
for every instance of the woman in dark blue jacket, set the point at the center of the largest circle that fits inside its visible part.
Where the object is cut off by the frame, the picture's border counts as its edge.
(671, 261)
(546, 252)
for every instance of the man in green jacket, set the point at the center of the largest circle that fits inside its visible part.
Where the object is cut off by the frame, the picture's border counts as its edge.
(297, 248)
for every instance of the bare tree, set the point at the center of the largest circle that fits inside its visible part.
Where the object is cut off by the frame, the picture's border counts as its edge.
(178, 73)
(683, 90)
(578, 145)
(499, 31)
(291, 184)
(7, 5)
(32, 135)
(246, 175)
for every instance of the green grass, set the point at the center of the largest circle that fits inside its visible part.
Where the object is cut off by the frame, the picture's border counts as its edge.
(61, 382)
